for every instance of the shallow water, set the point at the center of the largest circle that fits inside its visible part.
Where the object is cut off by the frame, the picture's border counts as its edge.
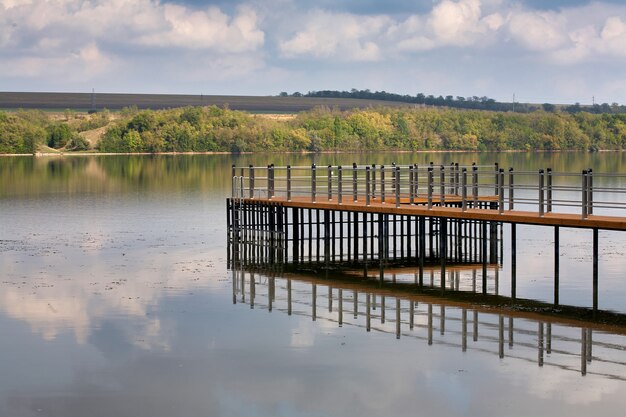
(116, 300)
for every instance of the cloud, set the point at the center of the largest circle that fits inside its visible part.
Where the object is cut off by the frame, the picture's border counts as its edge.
(538, 31)
(343, 36)
(36, 36)
(460, 23)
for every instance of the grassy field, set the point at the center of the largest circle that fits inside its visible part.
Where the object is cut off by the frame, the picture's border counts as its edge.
(82, 101)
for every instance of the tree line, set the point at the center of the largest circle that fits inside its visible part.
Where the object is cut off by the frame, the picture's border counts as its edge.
(459, 102)
(215, 129)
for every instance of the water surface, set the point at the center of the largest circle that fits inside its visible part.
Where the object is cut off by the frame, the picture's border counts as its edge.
(116, 300)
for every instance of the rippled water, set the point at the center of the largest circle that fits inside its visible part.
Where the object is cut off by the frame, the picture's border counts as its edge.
(115, 299)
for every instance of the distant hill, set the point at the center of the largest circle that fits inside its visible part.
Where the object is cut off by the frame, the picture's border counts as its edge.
(82, 101)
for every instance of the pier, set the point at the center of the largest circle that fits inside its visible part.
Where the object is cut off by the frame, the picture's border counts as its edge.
(378, 217)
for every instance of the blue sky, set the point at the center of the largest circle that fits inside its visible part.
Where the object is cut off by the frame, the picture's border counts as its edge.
(541, 51)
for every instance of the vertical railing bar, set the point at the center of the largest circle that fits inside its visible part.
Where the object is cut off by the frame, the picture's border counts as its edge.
(397, 181)
(313, 183)
(330, 182)
(339, 185)
(474, 184)
(430, 187)
(442, 185)
(288, 182)
(382, 184)
(354, 182)
(411, 185)
(590, 191)
(464, 189)
(373, 180)
(549, 191)
(497, 176)
(501, 191)
(585, 194)
(511, 189)
(251, 180)
(541, 189)
(367, 185)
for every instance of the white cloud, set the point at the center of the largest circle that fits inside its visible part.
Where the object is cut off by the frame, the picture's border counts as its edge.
(461, 22)
(538, 31)
(342, 36)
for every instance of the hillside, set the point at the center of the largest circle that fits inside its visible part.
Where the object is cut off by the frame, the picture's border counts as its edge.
(82, 101)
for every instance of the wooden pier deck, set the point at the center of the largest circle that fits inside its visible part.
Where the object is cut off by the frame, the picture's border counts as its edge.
(442, 215)
(419, 208)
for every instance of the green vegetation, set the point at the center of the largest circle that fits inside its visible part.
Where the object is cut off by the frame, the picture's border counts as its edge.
(207, 129)
(476, 103)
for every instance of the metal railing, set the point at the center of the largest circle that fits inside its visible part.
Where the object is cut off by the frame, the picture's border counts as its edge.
(468, 187)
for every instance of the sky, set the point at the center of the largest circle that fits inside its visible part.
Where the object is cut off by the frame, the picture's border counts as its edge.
(558, 51)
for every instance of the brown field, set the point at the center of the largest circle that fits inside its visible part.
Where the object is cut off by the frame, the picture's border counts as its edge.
(270, 104)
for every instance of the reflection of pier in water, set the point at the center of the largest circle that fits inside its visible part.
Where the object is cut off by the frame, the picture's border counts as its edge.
(574, 346)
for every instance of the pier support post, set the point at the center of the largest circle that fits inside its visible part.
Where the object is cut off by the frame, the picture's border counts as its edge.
(443, 250)
(422, 247)
(484, 254)
(595, 271)
(556, 265)
(513, 261)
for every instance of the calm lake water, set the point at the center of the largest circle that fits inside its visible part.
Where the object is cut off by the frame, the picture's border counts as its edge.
(116, 300)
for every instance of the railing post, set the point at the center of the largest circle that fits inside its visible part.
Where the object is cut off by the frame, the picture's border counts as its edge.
(442, 185)
(373, 180)
(313, 183)
(464, 189)
(456, 180)
(451, 183)
(475, 184)
(269, 181)
(367, 185)
(549, 191)
(354, 182)
(511, 189)
(497, 176)
(339, 184)
(430, 187)
(416, 179)
(397, 182)
(330, 182)
(590, 191)
(411, 185)
(585, 194)
(272, 172)
(382, 184)
(233, 174)
(501, 191)
(288, 182)
(541, 197)
(251, 180)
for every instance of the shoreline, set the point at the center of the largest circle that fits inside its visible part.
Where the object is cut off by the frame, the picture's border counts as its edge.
(52, 154)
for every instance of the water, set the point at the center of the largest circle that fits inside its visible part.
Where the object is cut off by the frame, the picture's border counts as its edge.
(116, 300)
